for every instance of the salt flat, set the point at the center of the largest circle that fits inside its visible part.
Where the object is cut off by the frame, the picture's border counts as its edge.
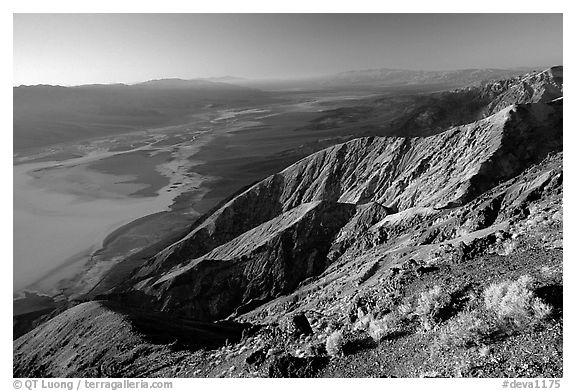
(51, 227)
(70, 197)
(63, 210)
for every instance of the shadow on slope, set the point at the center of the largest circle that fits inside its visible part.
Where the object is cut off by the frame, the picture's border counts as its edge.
(180, 333)
(103, 339)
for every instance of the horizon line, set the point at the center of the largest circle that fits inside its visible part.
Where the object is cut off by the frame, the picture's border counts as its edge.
(213, 79)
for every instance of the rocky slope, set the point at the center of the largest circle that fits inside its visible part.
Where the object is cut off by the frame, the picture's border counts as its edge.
(103, 339)
(472, 103)
(359, 233)
(263, 263)
(432, 113)
(538, 87)
(441, 171)
(337, 173)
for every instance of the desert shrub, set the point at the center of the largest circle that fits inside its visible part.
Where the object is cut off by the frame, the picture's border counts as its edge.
(430, 301)
(514, 302)
(405, 311)
(484, 350)
(548, 271)
(465, 329)
(541, 310)
(334, 344)
(507, 247)
(439, 255)
(363, 321)
(429, 304)
(379, 329)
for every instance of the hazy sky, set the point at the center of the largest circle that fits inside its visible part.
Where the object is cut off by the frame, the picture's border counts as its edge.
(104, 48)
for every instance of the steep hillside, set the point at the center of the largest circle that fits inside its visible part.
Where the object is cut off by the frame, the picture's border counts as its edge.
(441, 171)
(408, 293)
(263, 263)
(102, 339)
(513, 230)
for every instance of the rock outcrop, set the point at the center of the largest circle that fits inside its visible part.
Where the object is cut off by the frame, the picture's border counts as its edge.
(431, 114)
(543, 86)
(263, 263)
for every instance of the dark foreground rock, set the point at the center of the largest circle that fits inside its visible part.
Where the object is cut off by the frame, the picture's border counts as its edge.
(290, 366)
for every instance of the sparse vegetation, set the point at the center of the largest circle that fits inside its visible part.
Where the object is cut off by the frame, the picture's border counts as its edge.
(541, 309)
(363, 322)
(548, 271)
(515, 303)
(405, 311)
(465, 329)
(429, 304)
(334, 344)
(508, 247)
(378, 329)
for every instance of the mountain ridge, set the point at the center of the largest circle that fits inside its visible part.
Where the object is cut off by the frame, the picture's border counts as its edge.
(384, 76)
(365, 228)
(416, 163)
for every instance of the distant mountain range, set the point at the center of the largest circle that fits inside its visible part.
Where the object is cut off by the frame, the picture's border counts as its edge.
(380, 77)
(383, 77)
(46, 115)
(209, 84)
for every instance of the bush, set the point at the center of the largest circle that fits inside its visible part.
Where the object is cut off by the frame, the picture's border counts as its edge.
(405, 311)
(363, 322)
(541, 310)
(508, 247)
(382, 328)
(466, 329)
(334, 344)
(548, 271)
(515, 302)
(429, 304)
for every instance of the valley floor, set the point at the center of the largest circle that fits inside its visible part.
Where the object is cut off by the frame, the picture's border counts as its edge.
(110, 197)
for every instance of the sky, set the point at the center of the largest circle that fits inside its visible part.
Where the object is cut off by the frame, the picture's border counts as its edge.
(73, 49)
